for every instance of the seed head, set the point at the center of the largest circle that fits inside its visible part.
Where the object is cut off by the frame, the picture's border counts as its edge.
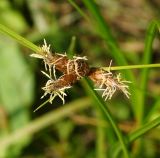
(108, 83)
(56, 87)
(73, 70)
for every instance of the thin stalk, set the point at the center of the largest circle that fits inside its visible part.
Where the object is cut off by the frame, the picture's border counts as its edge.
(154, 109)
(132, 67)
(150, 36)
(137, 134)
(20, 39)
(100, 140)
(71, 49)
(79, 10)
(99, 102)
(144, 129)
(43, 104)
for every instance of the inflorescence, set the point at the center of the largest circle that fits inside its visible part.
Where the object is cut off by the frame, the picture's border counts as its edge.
(73, 70)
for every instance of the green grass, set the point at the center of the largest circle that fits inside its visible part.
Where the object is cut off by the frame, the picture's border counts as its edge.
(119, 141)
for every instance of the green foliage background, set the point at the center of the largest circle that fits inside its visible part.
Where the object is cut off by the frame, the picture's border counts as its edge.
(86, 126)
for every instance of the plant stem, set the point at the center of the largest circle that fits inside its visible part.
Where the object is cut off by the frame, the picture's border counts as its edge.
(20, 39)
(138, 133)
(71, 49)
(131, 67)
(101, 104)
(144, 129)
(149, 39)
(100, 140)
(79, 10)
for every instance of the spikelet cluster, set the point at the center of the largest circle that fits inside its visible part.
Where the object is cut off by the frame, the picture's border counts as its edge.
(72, 71)
(108, 83)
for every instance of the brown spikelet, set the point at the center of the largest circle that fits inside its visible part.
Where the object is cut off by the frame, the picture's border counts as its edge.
(72, 71)
(108, 83)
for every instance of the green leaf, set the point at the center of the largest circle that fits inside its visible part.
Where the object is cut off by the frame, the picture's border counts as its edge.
(150, 36)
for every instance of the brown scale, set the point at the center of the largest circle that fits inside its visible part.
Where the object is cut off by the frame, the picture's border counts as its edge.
(95, 75)
(64, 81)
(80, 66)
(57, 60)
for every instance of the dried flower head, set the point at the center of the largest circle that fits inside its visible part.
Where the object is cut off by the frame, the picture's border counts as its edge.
(108, 83)
(72, 71)
(56, 87)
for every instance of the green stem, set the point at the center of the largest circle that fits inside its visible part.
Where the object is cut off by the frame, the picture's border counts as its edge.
(131, 67)
(150, 36)
(100, 140)
(79, 10)
(71, 49)
(138, 133)
(43, 104)
(20, 39)
(144, 129)
(101, 104)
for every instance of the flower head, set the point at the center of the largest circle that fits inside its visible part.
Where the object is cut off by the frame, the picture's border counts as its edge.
(108, 83)
(55, 88)
(73, 70)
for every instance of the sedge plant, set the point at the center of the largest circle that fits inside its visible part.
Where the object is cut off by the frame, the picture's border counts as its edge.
(76, 68)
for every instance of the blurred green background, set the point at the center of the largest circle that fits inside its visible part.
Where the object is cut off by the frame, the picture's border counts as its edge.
(76, 129)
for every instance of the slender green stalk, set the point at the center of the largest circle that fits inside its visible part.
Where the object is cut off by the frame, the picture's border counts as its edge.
(137, 134)
(70, 51)
(144, 129)
(44, 121)
(144, 66)
(19, 39)
(100, 141)
(150, 35)
(43, 104)
(99, 102)
(79, 10)
(153, 110)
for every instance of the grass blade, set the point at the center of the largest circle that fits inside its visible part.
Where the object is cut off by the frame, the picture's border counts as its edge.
(79, 10)
(100, 143)
(70, 51)
(138, 133)
(150, 35)
(43, 104)
(99, 102)
(155, 108)
(19, 39)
